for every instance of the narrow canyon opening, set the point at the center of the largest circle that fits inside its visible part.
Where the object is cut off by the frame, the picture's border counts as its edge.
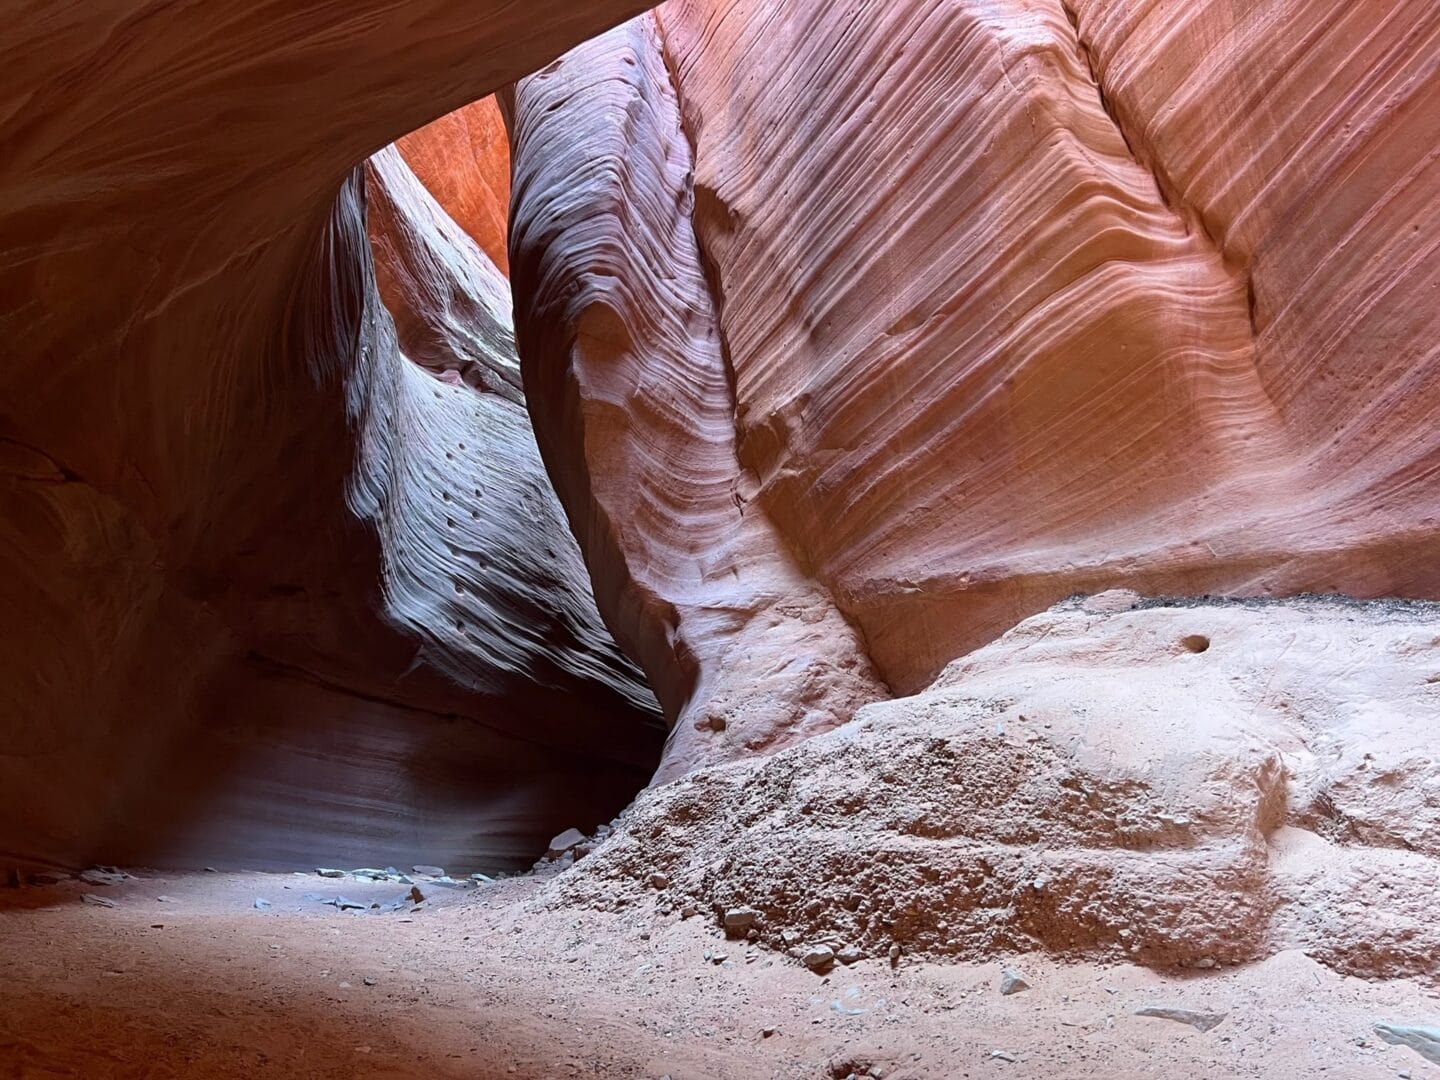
(883, 541)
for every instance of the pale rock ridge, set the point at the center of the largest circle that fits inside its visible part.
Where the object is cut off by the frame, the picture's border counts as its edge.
(478, 562)
(1180, 784)
(626, 376)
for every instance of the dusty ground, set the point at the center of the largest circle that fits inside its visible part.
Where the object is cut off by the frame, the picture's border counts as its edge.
(480, 984)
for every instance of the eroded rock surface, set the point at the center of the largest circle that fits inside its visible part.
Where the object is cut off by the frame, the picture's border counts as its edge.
(194, 664)
(1175, 785)
(627, 375)
(1012, 300)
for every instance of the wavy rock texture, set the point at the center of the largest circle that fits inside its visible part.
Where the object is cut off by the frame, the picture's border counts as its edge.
(1014, 311)
(191, 612)
(1183, 784)
(627, 376)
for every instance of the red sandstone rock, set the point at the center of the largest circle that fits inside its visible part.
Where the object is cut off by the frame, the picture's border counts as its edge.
(1014, 309)
(189, 612)
(627, 376)
(464, 160)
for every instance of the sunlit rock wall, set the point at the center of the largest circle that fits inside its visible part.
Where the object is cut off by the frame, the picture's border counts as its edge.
(1015, 300)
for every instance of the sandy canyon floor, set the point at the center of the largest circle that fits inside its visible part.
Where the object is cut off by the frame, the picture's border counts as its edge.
(486, 982)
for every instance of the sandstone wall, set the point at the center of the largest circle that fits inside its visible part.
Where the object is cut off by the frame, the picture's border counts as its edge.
(1011, 300)
(187, 598)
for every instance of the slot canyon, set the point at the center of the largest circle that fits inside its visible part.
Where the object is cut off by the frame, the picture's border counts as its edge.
(742, 538)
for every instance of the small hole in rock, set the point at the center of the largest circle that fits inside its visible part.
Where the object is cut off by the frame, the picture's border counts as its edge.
(1196, 643)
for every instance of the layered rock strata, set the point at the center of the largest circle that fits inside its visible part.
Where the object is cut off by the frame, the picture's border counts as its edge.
(1012, 300)
(193, 661)
(628, 377)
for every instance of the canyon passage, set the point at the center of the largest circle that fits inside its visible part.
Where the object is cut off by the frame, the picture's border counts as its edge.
(737, 538)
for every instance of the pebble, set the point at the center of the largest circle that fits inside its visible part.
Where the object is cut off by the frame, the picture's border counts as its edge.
(818, 957)
(895, 954)
(370, 980)
(328, 872)
(1003, 1056)
(98, 901)
(165, 899)
(429, 871)
(1012, 982)
(261, 904)
(1200, 1021)
(659, 881)
(765, 1033)
(850, 955)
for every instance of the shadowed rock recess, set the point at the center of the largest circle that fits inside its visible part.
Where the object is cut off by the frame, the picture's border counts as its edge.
(212, 454)
(424, 426)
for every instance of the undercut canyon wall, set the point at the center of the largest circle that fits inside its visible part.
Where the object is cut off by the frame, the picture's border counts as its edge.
(954, 310)
(198, 662)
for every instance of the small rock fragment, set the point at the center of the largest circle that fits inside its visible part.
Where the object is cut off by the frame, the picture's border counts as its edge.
(429, 871)
(850, 955)
(568, 839)
(818, 957)
(738, 920)
(1012, 982)
(1425, 1041)
(103, 875)
(1001, 1055)
(659, 881)
(765, 1033)
(164, 899)
(895, 953)
(328, 872)
(370, 980)
(98, 901)
(1200, 1021)
(416, 896)
(482, 879)
(261, 904)
(688, 911)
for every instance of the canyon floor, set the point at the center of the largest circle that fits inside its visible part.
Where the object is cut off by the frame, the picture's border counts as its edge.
(487, 982)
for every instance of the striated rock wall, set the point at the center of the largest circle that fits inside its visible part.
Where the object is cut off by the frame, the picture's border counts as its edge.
(189, 610)
(628, 378)
(1013, 300)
